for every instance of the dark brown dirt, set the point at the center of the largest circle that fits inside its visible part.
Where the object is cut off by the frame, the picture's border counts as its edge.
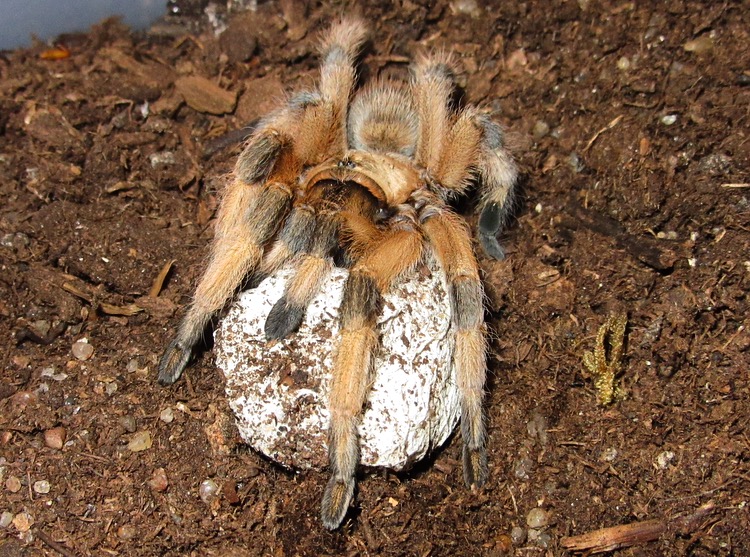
(620, 212)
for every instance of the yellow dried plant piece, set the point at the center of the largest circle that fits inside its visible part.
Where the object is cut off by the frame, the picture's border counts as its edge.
(605, 362)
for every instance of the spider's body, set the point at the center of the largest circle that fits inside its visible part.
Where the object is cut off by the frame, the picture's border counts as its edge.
(363, 179)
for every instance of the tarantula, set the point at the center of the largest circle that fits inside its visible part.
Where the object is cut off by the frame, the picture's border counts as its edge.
(361, 179)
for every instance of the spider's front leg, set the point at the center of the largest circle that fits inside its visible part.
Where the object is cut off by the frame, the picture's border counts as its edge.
(455, 147)
(248, 217)
(451, 244)
(309, 129)
(384, 257)
(288, 312)
(498, 176)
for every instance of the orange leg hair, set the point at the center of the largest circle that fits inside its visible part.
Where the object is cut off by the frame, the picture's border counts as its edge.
(385, 258)
(456, 147)
(311, 128)
(451, 243)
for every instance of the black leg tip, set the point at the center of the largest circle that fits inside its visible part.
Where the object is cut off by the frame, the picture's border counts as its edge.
(283, 320)
(490, 220)
(476, 470)
(492, 247)
(173, 363)
(336, 500)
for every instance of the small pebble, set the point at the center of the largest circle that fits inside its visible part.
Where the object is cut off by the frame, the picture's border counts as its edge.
(162, 158)
(128, 423)
(54, 437)
(110, 388)
(15, 241)
(127, 532)
(669, 119)
(541, 128)
(644, 146)
(503, 543)
(140, 441)
(543, 539)
(518, 535)
(536, 427)
(41, 487)
(158, 481)
(82, 350)
(22, 399)
(575, 162)
(23, 522)
(701, 45)
(523, 467)
(50, 372)
(664, 458)
(609, 454)
(208, 491)
(537, 518)
(132, 366)
(5, 519)
(623, 63)
(13, 484)
(667, 235)
(42, 326)
(466, 7)
(167, 415)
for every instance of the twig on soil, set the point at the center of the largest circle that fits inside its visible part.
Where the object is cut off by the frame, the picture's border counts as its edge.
(158, 283)
(608, 127)
(53, 544)
(109, 309)
(740, 185)
(626, 535)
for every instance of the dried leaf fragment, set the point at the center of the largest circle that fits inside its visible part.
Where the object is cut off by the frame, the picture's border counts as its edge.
(605, 363)
(57, 53)
(160, 278)
(205, 96)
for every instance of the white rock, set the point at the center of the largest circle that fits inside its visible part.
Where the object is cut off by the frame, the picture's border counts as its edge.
(278, 389)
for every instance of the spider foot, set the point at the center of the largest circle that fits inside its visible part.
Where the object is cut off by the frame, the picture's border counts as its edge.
(173, 363)
(336, 499)
(475, 467)
(283, 320)
(490, 221)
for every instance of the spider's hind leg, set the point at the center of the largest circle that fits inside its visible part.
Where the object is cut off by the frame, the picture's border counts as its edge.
(384, 258)
(451, 244)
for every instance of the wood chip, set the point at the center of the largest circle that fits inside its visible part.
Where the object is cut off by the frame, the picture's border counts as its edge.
(160, 278)
(205, 96)
(626, 535)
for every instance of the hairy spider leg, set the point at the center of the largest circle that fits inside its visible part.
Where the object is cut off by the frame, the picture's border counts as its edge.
(311, 128)
(456, 147)
(450, 240)
(313, 267)
(236, 251)
(497, 175)
(334, 200)
(294, 238)
(383, 259)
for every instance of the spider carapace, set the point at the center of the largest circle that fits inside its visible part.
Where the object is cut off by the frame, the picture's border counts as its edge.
(362, 178)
